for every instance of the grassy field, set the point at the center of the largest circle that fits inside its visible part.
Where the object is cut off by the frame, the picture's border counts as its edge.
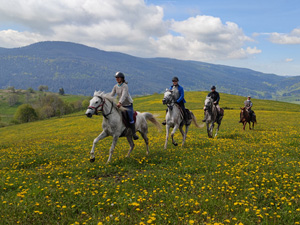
(242, 177)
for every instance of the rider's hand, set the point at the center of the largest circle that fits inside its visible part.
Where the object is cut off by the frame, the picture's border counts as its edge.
(215, 102)
(119, 104)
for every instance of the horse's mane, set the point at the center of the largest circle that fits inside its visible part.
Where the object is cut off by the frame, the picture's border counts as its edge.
(110, 98)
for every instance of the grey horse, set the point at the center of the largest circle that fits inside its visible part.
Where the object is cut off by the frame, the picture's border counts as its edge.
(113, 125)
(174, 118)
(211, 116)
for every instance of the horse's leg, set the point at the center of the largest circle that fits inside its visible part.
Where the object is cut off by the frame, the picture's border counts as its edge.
(244, 125)
(184, 134)
(207, 128)
(112, 147)
(211, 128)
(217, 129)
(172, 134)
(167, 135)
(100, 137)
(130, 141)
(145, 137)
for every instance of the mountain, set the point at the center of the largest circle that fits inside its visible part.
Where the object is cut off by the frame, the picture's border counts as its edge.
(80, 69)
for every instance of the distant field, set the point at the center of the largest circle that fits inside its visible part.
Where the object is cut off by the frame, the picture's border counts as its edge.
(242, 177)
(7, 112)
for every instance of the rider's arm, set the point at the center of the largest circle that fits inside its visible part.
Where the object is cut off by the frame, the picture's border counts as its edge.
(181, 95)
(218, 98)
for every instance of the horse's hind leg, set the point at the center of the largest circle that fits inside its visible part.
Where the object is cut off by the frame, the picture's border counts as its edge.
(130, 141)
(145, 137)
(167, 136)
(112, 147)
(172, 135)
(217, 129)
(100, 137)
(184, 134)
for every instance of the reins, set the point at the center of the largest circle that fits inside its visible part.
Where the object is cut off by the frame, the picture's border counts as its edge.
(101, 110)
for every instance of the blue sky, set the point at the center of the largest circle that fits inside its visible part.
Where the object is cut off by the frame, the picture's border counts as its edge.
(259, 35)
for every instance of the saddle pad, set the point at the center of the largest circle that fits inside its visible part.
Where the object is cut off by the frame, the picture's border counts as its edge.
(125, 118)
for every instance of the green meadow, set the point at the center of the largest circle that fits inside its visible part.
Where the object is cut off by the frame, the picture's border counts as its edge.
(240, 177)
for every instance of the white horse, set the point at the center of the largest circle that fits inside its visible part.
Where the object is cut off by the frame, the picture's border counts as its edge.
(211, 116)
(174, 118)
(113, 125)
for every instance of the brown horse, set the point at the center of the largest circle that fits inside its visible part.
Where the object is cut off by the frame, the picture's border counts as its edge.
(245, 118)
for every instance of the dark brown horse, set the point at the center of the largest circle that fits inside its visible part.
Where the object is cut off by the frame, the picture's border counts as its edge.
(245, 118)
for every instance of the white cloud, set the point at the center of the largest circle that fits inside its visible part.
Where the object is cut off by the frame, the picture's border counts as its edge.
(289, 60)
(291, 38)
(120, 25)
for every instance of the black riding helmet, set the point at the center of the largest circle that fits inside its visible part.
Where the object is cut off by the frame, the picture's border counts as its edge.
(175, 78)
(213, 87)
(119, 74)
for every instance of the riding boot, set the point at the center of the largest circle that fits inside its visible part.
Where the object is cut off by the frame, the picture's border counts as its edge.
(132, 127)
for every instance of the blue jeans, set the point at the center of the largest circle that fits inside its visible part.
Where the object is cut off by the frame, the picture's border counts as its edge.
(130, 112)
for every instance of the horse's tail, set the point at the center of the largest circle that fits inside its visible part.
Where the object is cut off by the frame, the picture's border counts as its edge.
(195, 121)
(152, 119)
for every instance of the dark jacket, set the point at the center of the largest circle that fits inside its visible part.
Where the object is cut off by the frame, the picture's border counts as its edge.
(215, 96)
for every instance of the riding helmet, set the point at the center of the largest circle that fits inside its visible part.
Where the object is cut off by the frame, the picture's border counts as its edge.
(175, 79)
(213, 87)
(119, 74)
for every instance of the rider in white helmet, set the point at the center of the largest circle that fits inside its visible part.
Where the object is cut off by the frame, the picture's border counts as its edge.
(125, 100)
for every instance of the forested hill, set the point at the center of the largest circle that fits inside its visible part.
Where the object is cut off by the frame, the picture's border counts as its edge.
(81, 69)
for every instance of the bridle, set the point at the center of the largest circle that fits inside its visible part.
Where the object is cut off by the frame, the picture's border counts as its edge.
(101, 109)
(209, 107)
(172, 103)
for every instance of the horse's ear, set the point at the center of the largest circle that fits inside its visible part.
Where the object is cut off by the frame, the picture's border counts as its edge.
(167, 89)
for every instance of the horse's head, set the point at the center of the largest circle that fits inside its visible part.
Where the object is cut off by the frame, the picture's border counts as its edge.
(244, 113)
(168, 97)
(95, 103)
(208, 103)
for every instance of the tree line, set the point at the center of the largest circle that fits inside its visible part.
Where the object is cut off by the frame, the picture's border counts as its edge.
(39, 105)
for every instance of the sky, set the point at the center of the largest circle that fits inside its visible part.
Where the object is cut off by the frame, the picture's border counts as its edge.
(259, 35)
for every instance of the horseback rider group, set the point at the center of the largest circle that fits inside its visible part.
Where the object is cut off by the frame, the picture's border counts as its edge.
(125, 100)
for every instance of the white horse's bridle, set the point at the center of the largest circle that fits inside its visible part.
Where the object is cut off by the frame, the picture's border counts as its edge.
(102, 102)
(169, 100)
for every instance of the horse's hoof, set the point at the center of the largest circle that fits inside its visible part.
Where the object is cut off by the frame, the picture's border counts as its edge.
(92, 160)
(175, 144)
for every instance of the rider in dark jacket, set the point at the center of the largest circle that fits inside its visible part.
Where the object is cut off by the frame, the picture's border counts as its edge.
(216, 98)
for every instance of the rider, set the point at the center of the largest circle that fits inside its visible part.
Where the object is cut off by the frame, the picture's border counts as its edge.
(248, 105)
(125, 100)
(216, 98)
(180, 101)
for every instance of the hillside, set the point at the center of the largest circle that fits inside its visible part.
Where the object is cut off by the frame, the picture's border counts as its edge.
(11, 100)
(242, 177)
(81, 69)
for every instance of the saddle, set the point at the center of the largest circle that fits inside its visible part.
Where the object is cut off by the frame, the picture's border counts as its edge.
(125, 118)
